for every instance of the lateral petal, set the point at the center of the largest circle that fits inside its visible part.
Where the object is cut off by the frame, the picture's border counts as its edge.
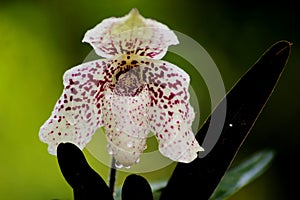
(170, 114)
(77, 114)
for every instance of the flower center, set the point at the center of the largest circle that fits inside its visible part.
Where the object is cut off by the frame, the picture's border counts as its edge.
(128, 80)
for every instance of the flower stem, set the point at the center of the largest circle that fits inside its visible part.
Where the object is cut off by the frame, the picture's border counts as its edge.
(112, 175)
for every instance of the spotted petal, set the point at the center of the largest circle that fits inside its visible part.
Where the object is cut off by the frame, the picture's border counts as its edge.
(171, 114)
(126, 125)
(131, 33)
(77, 114)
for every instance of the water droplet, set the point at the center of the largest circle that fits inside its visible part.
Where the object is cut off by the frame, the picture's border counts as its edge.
(145, 147)
(127, 167)
(109, 149)
(230, 125)
(118, 165)
(137, 160)
(129, 144)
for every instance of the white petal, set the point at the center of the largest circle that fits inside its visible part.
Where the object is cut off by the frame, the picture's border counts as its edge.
(58, 130)
(131, 33)
(126, 125)
(171, 114)
(177, 141)
(77, 114)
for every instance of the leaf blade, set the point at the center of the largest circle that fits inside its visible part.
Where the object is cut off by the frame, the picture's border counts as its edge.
(245, 102)
(239, 176)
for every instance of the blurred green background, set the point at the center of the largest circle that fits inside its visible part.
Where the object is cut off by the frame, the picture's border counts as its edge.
(39, 40)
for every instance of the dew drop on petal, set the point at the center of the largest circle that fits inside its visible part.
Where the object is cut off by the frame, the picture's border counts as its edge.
(137, 161)
(118, 165)
(127, 167)
(109, 149)
(129, 144)
(146, 132)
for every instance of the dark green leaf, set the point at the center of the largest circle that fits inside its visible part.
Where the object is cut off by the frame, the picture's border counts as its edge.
(86, 183)
(241, 175)
(244, 103)
(136, 187)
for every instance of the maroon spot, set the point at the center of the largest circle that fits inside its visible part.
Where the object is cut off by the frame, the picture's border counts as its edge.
(160, 91)
(88, 115)
(74, 91)
(123, 62)
(164, 68)
(170, 113)
(134, 62)
(68, 109)
(93, 92)
(71, 82)
(77, 99)
(162, 85)
(87, 88)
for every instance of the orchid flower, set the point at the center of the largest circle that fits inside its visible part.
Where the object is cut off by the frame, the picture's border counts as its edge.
(130, 92)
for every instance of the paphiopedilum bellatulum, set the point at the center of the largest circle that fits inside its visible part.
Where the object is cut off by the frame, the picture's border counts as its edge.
(130, 92)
